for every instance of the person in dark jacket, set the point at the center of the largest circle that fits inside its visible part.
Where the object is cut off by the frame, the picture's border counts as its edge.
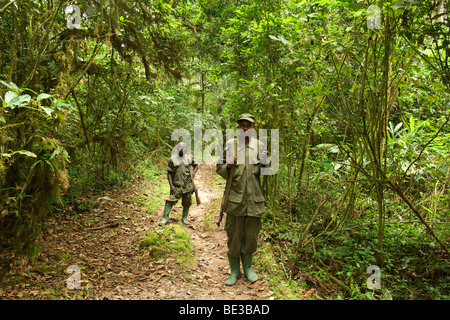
(180, 182)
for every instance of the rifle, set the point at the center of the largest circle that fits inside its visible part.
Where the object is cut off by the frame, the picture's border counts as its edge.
(227, 187)
(196, 194)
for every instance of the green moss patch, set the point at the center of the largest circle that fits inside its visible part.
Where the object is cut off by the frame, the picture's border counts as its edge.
(174, 241)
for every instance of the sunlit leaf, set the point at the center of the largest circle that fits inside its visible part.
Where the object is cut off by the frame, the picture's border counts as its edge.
(43, 96)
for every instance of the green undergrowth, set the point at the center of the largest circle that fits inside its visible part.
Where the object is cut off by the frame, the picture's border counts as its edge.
(211, 214)
(280, 280)
(335, 265)
(154, 189)
(172, 241)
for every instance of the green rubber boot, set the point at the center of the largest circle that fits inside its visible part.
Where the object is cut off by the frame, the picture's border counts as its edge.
(185, 214)
(167, 209)
(235, 270)
(247, 265)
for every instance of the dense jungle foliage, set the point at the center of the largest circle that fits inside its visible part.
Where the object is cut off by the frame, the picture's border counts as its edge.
(360, 98)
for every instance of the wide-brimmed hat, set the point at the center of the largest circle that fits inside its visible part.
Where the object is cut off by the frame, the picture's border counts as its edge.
(246, 116)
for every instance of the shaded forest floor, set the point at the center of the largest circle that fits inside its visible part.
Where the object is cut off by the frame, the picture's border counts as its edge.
(101, 235)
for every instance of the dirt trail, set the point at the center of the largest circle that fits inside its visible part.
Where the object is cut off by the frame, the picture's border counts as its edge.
(104, 243)
(206, 280)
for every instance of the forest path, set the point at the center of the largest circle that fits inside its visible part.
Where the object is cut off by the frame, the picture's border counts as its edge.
(206, 279)
(101, 237)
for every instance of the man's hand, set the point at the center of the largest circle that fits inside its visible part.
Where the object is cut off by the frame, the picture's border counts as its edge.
(262, 155)
(172, 189)
(230, 161)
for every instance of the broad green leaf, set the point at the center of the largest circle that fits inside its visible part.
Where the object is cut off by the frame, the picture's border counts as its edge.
(47, 110)
(10, 85)
(24, 99)
(274, 38)
(61, 103)
(23, 152)
(55, 153)
(17, 100)
(26, 153)
(285, 41)
(10, 95)
(43, 96)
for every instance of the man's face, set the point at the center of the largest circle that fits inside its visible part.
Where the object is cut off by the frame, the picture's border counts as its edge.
(181, 148)
(245, 125)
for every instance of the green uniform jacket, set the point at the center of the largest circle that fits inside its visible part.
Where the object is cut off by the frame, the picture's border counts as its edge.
(180, 173)
(246, 197)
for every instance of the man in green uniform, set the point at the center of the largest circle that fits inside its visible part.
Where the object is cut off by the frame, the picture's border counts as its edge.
(245, 203)
(180, 181)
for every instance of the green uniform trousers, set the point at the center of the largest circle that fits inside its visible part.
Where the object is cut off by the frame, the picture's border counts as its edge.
(242, 232)
(186, 198)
